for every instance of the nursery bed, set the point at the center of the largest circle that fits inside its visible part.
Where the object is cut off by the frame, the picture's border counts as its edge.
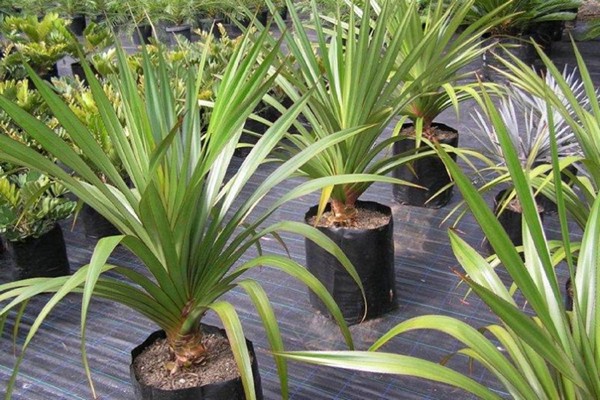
(426, 284)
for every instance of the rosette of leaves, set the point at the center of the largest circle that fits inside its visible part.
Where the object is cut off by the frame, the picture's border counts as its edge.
(527, 120)
(583, 119)
(38, 43)
(448, 56)
(104, 62)
(356, 82)
(30, 204)
(190, 222)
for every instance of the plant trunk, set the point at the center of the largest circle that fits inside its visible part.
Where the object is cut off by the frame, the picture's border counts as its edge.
(188, 349)
(343, 211)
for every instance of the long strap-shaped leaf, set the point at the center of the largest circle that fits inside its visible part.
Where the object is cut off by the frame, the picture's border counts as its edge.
(385, 363)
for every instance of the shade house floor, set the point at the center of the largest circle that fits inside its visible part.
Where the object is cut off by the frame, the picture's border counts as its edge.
(426, 283)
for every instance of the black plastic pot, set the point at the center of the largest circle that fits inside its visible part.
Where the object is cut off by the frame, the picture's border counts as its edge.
(548, 205)
(77, 25)
(510, 219)
(263, 16)
(256, 130)
(371, 251)
(210, 25)
(45, 256)
(228, 390)
(428, 172)
(283, 12)
(142, 34)
(46, 75)
(178, 30)
(95, 225)
(552, 30)
(78, 71)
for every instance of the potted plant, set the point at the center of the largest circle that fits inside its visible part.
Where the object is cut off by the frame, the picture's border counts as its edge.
(109, 11)
(528, 120)
(73, 11)
(516, 32)
(176, 17)
(580, 111)
(96, 38)
(355, 90)
(541, 351)
(211, 14)
(181, 214)
(39, 43)
(30, 208)
(449, 56)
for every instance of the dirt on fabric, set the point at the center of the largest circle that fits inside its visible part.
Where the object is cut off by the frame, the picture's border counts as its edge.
(151, 366)
(364, 219)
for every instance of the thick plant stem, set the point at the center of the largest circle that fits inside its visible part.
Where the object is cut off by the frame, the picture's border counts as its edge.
(188, 349)
(343, 212)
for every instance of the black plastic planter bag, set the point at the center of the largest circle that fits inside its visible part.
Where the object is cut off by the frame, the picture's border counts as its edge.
(548, 205)
(78, 24)
(142, 34)
(511, 220)
(45, 256)
(95, 225)
(428, 172)
(228, 390)
(175, 33)
(371, 251)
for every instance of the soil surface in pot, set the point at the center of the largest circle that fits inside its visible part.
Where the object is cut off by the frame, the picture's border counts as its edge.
(589, 10)
(219, 365)
(438, 133)
(515, 206)
(365, 219)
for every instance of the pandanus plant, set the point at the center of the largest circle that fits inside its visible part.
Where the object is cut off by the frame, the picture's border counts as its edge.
(445, 59)
(578, 107)
(183, 214)
(353, 81)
